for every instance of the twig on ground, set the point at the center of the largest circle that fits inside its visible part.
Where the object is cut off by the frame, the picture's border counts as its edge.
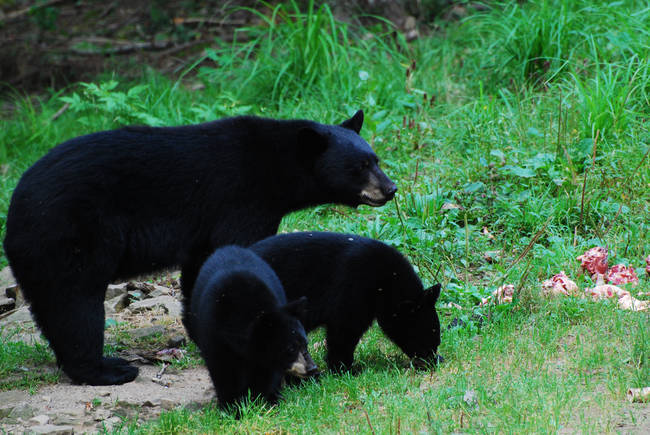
(16, 15)
(368, 420)
(124, 49)
(60, 112)
(201, 20)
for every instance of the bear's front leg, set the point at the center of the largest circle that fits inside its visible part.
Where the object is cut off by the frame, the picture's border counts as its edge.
(266, 384)
(340, 349)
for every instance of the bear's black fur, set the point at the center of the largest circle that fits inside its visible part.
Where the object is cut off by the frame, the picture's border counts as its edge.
(247, 333)
(349, 281)
(118, 203)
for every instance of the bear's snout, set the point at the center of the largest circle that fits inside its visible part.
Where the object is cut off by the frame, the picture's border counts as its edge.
(378, 190)
(390, 191)
(303, 366)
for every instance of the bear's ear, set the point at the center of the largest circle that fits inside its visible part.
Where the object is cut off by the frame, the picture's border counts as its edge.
(355, 123)
(297, 308)
(431, 294)
(311, 142)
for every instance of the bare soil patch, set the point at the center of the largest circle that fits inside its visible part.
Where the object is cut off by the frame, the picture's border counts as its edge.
(87, 408)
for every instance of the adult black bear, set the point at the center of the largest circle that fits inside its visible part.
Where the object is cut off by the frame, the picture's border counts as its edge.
(118, 203)
(349, 281)
(247, 333)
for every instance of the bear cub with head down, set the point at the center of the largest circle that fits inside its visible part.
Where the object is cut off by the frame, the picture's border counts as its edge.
(349, 281)
(114, 204)
(248, 334)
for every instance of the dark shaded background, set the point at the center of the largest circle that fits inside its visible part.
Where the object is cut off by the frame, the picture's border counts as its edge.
(52, 43)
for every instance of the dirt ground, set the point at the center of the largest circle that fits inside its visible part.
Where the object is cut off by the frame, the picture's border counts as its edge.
(67, 407)
(143, 330)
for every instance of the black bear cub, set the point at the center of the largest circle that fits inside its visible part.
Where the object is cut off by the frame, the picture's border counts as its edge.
(248, 334)
(349, 281)
(119, 203)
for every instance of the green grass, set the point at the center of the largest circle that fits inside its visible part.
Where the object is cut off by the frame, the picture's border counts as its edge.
(531, 119)
(527, 374)
(22, 365)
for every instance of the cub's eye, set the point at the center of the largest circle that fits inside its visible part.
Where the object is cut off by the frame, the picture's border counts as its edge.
(364, 165)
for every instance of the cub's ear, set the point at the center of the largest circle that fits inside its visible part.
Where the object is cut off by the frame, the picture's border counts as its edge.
(297, 308)
(311, 142)
(432, 293)
(355, 123)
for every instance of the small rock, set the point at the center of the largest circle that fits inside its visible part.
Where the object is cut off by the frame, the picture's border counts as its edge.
(124, 412)
(168, 404)
(50, 429)
(21, 315)
(104, 393)
(39, 420)
(73, 417)
(470, 398)
(151, 403)
(138, 403)
(147, 331)
(101, 414)
(9, 400)
(135, 295)
(115, 290)
(109, 424)
(23, 412)
(177, 341)
(171, 305)
(118, 303)
(159, 290)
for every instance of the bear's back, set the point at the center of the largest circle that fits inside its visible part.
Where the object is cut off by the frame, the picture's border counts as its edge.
(324, 260)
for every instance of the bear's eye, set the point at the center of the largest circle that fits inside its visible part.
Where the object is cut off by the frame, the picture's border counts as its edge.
(364, 165)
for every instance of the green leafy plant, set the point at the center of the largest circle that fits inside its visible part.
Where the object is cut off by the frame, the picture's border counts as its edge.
(117, 106)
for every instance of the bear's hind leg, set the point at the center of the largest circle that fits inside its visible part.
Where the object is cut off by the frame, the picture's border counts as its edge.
(72, 319)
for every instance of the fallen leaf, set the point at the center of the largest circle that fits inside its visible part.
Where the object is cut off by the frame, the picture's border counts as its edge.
(487, 233)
